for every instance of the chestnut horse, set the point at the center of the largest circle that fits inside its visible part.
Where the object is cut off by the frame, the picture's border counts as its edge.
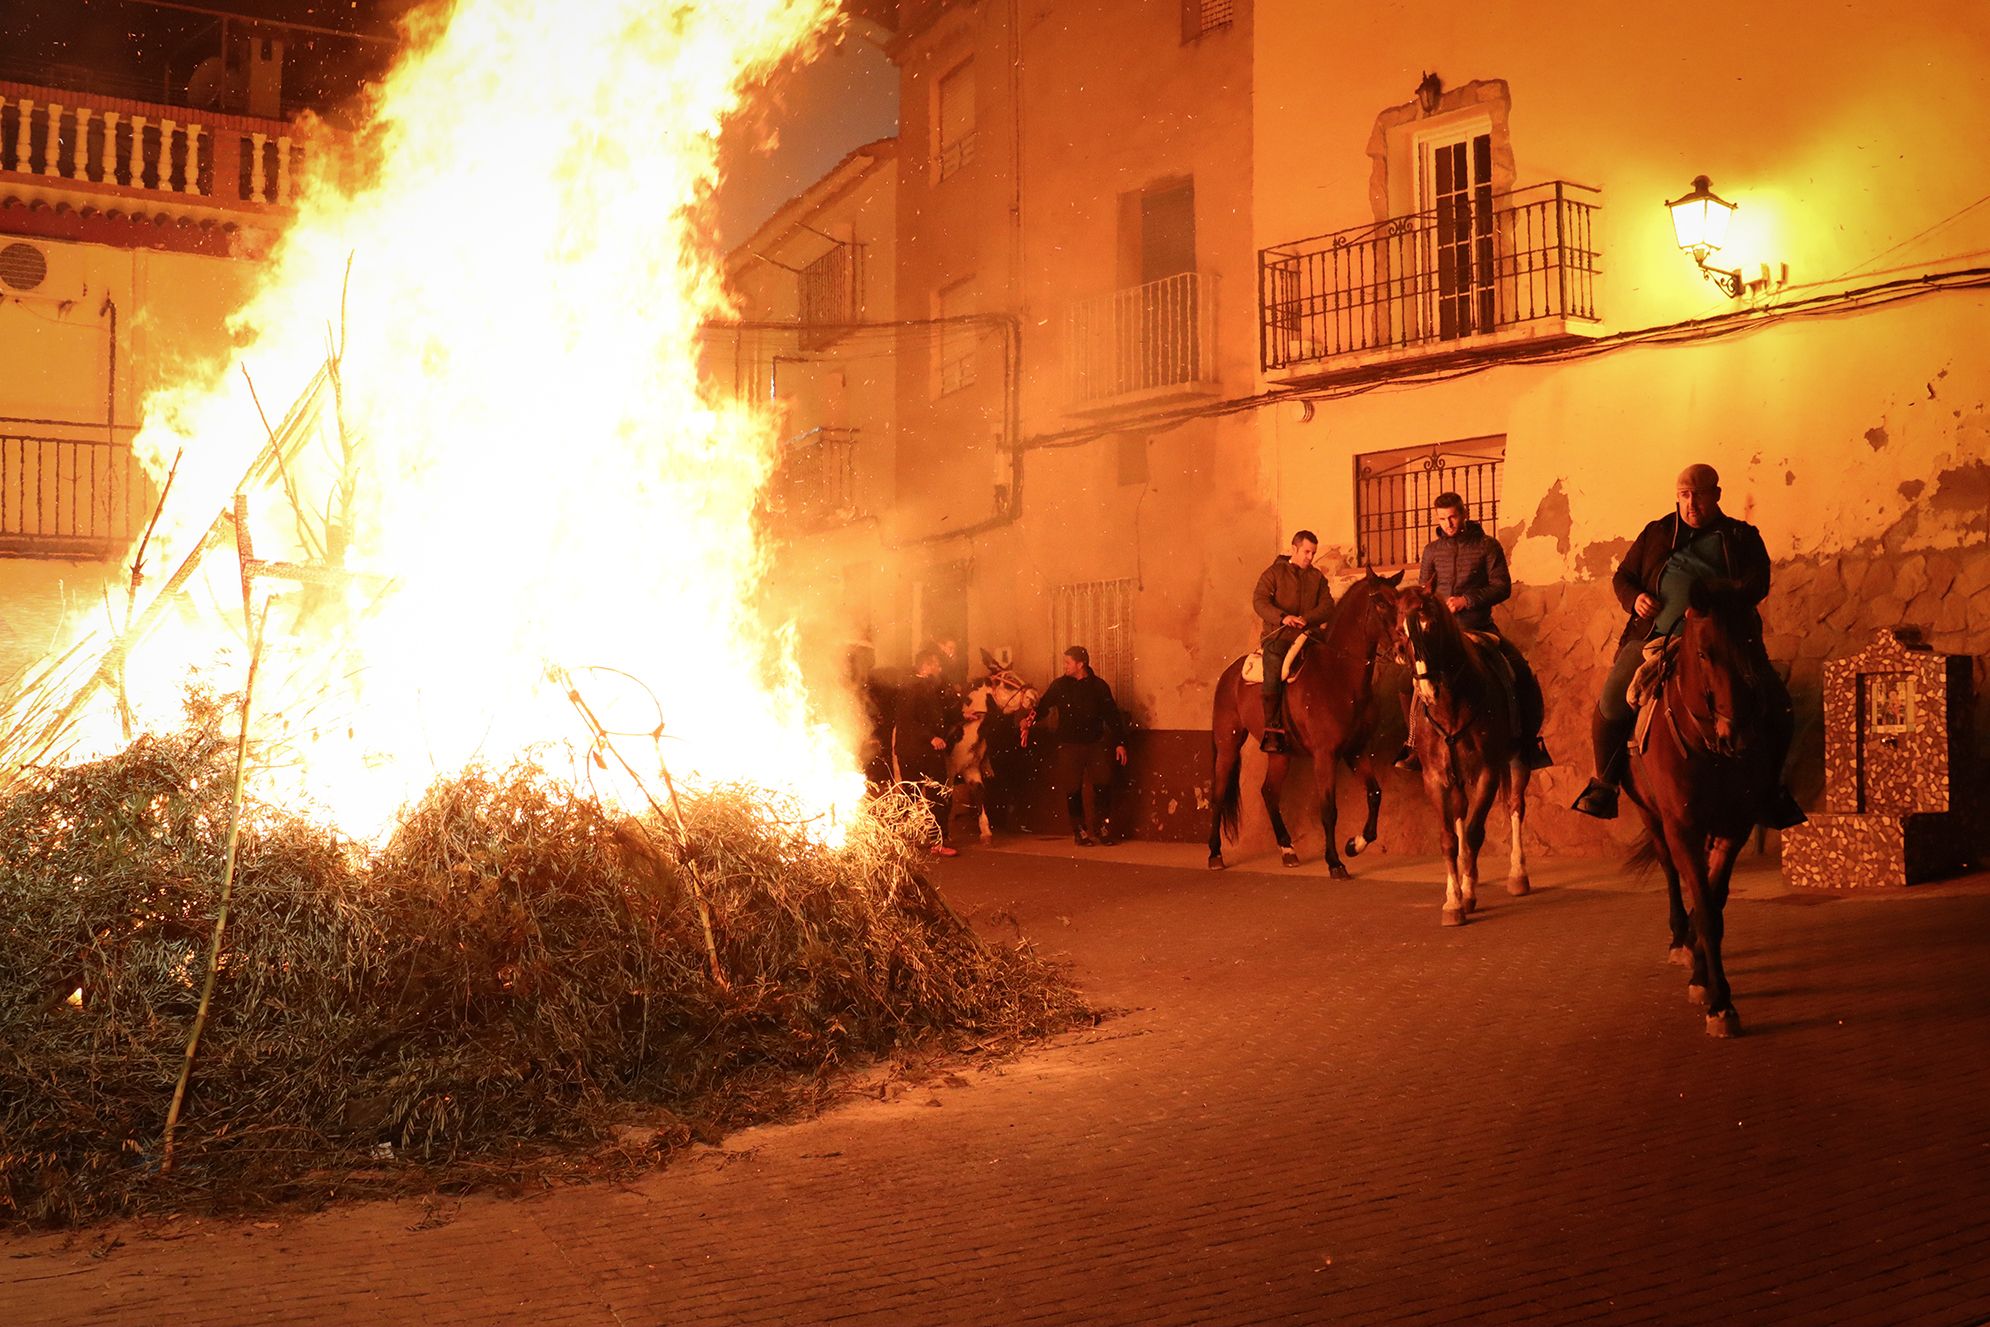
(1707, 766)
(1461, 724)
(1326, 716)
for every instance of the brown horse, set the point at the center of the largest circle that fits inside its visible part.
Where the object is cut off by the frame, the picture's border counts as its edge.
(1707, 768)
(1326, 712)
(1462, 726)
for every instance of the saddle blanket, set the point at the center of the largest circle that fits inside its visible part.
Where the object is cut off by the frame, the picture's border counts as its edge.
(1646, 684)
(1254, 663)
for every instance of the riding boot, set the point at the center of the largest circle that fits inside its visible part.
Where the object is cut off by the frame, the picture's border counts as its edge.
(1273, 741)
(1781, 810)
(1528, 709)
(1608, 736)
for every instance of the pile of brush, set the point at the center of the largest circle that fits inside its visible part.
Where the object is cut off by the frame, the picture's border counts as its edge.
(516, 966)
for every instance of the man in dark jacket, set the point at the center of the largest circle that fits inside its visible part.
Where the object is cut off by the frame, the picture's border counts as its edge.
(1466, 568)
(1088, 724)
(1291, 598)
(1697, 542)
(927, 723)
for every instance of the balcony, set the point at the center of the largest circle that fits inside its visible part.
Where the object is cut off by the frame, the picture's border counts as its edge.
(168, 155)
(1432, 281)
(1132, 345)
(64, 494)
(815, 480)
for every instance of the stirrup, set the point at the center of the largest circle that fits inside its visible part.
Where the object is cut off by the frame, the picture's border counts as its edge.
(1783, 812)
(1535, 755)
(1599, 799)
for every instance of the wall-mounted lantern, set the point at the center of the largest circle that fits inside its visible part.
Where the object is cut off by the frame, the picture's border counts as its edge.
(1699, 222)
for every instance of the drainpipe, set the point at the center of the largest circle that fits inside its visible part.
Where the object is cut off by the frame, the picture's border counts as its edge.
(110, 392)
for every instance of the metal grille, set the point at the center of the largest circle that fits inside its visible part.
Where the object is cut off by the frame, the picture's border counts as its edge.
(1211, 14)
(1099, 616)
(1134, 340)
(1475, 263)
(815, 479)
(1393, 491)
(828, 290)
(69, 498)
(956, 154)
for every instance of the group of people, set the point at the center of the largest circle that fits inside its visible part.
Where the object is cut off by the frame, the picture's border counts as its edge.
(1466, 568)
(1089, 738)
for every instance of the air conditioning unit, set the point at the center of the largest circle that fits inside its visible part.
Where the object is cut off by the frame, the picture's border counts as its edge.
(39, 270)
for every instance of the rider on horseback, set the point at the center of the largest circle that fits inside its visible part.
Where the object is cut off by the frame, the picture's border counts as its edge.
(1291, 598)
(1696, 543)
(1466, 568)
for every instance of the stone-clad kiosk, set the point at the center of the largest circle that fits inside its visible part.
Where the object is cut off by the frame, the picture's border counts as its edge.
(1892, 715)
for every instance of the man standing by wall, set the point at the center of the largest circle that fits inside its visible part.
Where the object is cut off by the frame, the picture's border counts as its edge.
(1088, 725)
(1291, 597)
(926, 724)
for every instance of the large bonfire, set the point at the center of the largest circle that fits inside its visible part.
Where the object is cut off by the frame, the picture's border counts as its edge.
(438, 784)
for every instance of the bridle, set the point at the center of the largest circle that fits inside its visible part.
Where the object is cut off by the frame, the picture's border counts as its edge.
(1428, 671)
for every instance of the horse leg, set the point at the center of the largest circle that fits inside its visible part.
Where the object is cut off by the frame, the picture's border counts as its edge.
(1274, 784)
(1448, 826)
(1364, 765)
(1222, 789)
(1722, 1021)
(1689, 859)
(1517, 882)
(1327, 770)
(1478, 800)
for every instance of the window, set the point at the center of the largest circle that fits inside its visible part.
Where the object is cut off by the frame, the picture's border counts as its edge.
(1393, 491)
(1458, 198)
(1099, 616)
(1200, 16)
(956, 340)
(828, 290)
(954, 127)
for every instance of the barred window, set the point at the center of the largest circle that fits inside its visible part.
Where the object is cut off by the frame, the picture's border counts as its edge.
(1099, 616)
(1393, 492)
(828, 289)
(1200, 16)
(956, 341)
(954, 130)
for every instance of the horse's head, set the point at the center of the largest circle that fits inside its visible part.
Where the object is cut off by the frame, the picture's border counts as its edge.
(1720, 655)
(1370, 604)
(1008, 694)
(1427, 635)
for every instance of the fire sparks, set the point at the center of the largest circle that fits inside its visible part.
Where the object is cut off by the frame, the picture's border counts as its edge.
(511, 493)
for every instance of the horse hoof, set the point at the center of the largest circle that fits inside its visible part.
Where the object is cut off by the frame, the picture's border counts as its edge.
(1339, 872)
(1697, 994)
(1290, 856)
(1471, 905)
(1353, 847)
(1215, 861)
(1454, 916)
(1679, 956)
(1725, 1024)
(1519, 886)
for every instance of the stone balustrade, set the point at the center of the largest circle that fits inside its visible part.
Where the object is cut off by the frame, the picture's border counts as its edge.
(52, 137)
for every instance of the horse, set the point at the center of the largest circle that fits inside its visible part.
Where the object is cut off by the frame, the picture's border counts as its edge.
(1000, 696)
(1463, 728)
(1701, 777)
(1327, 715)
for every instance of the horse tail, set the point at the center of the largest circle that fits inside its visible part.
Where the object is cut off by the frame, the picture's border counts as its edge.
(1643, 858)
(1229, 795)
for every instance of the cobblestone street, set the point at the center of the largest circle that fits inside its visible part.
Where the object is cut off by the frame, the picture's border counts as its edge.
(1312, 1106)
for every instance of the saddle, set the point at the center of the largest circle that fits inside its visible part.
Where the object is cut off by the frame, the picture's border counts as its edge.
(1254, 663)
(1647, 682)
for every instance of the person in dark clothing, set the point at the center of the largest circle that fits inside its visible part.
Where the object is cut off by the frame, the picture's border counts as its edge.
(926, 725)
(1466, 567)
(1089, 725)
(1697, 542)
(1291, 598)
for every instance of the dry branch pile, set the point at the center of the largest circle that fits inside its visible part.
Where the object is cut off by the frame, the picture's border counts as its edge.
(513, 967)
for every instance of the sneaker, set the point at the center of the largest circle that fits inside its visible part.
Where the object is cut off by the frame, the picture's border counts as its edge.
(1406, 759)
(942, 850)
(1535, 755)
(1273, 742)
(1083, 840)
(1782, 811)
(1599, 799)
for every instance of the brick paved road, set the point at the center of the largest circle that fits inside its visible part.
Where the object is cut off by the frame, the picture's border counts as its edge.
(1319, 1107)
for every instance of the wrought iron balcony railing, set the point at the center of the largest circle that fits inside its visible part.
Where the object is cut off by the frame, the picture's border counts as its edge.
(815, 479)
(49, 136)
(69, 497)
(1431, 278)
(1137, 340)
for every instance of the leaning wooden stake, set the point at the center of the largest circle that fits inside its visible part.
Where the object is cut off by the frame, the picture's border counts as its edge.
(227, 890)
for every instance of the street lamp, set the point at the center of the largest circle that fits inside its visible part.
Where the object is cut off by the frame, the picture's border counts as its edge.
(1699, 222)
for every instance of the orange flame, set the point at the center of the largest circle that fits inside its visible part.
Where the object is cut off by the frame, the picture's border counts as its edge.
(519, 477)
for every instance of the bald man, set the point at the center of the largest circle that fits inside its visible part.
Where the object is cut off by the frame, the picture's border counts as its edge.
(1697, 542)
